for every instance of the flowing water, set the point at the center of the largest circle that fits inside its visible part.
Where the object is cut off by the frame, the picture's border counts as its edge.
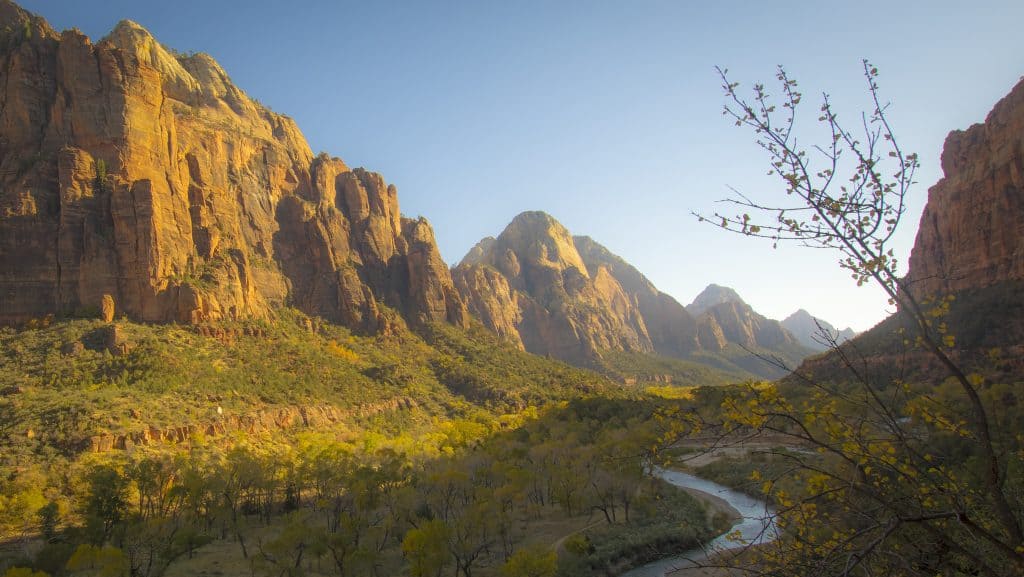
(755, 527)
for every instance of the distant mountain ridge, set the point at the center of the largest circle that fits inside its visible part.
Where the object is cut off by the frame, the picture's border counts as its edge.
(734, 321)
(712, 295)
(808, 330)
(570, 297)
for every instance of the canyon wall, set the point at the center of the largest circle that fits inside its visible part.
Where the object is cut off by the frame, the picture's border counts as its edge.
(129, 170)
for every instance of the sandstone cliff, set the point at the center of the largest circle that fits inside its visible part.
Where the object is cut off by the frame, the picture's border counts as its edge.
(971, 233)
(532, 286)
(129, 170)
(970, 244)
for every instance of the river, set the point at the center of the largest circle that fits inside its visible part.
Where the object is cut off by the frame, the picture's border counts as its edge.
(754, 527)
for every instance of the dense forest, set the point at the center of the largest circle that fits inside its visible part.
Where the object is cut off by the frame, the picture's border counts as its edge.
(500, 455)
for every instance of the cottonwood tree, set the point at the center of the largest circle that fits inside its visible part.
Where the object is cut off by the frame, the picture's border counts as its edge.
(533, 562)
(425, 547)
(892, 478)
(105, 503)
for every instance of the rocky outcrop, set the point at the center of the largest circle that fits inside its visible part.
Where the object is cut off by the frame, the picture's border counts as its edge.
(265, 420)
(532, 286)
(971, 233)
(107, 309)
(431, 292)
(132, 171)
(114, 340)
(808, 330)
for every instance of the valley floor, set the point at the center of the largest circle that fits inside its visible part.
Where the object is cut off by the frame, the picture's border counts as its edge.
(224, 558)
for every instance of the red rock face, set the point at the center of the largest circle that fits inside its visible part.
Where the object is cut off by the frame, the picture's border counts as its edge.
(130, 171)
(972, 230)
(970, 244)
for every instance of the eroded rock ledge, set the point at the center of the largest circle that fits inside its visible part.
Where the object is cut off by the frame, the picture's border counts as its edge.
(266, 420)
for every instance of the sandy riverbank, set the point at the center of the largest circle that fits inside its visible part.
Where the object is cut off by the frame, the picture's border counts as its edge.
(715, 505)
(706, 451)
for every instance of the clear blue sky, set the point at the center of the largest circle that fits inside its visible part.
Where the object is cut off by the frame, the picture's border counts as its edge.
(604, 114)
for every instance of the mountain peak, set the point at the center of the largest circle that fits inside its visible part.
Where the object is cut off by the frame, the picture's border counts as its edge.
(713, 295)
(131, 25)
(531, 285)
(11, 12)
(537, 237)
(808, 328)
(129, 33)
(19, 24)
(534, 216)
(131, 38)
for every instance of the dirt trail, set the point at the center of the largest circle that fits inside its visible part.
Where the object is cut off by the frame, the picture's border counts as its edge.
(557, 545)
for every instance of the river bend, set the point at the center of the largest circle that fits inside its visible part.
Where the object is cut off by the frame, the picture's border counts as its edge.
(755, 525)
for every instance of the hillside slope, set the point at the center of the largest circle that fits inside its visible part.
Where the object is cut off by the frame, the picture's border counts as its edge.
(68, 389)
